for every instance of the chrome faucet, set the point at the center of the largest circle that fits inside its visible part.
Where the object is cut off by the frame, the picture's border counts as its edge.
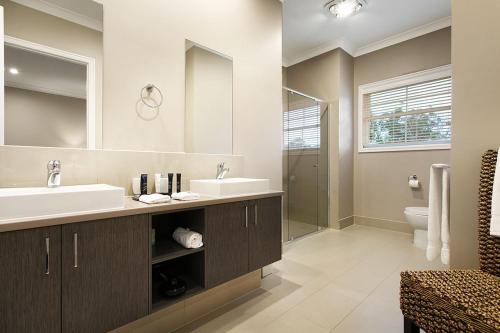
(54, 173)
(221, 170)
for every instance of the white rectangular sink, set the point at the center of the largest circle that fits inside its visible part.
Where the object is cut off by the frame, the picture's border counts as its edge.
(43, 201)
(229, 186)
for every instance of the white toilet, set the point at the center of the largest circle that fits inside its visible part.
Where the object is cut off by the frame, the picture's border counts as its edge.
(417, 217)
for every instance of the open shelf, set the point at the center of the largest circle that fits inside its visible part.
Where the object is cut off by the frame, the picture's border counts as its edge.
(188, 268)
(166, 249)
(173, 260)
(161, 303)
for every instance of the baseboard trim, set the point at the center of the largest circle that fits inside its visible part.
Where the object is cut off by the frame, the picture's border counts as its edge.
(383, 224)
(346, 222)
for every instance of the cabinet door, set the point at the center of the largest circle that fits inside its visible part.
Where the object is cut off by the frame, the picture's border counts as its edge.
(105, 273)
(264, 232)
(30, 280)
(226, 242)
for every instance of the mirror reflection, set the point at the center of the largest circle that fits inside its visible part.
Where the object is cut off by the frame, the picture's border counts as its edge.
(45, 100)
(52, 73)
(209, 101)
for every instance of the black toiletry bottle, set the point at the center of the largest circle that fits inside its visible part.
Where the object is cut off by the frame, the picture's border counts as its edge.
(144, 183)
(170, 183)
(178, 179)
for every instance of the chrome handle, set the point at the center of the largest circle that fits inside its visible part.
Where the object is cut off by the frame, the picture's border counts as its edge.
(47, 256)
(75, 250)
(246, 216)
(256, 212)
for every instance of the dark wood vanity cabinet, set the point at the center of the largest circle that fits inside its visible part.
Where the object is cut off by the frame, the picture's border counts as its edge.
(93, 277)
(226, 242)
(87, 277)
(240, 238)
(30, 280)
(264, 233)
(105, 273)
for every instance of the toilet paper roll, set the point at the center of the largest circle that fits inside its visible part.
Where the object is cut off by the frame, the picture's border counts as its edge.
(414, 183)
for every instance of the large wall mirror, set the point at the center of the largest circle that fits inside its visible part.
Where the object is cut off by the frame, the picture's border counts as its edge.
(52, 95)
(53, 83)
(209, 101)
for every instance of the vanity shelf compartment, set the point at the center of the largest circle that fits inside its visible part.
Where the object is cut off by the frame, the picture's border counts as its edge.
(165, 247)
(188, 268)
(165, 250)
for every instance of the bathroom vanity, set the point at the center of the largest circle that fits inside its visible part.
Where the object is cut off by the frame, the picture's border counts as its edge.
(94, 272)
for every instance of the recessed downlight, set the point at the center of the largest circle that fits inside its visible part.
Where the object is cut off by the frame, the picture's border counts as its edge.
(13, 71)
(344, 8)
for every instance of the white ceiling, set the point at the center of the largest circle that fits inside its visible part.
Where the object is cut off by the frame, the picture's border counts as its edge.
(309, 29)
(43, 73)
(84, 12)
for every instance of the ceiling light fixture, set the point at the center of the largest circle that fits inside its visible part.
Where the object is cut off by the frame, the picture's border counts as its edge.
(13, 71)
(344, 8)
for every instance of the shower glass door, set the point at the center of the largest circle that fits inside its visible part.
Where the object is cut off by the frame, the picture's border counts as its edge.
(305, 165)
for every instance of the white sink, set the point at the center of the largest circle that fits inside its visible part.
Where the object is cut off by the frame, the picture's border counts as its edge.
(42, 201)
(229, 186)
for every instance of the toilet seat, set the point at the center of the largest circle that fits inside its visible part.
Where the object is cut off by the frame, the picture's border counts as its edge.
(420, 211)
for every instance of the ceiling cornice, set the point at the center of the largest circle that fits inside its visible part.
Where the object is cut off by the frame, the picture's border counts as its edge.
(65, 14)
(383, 43)
(404, 36)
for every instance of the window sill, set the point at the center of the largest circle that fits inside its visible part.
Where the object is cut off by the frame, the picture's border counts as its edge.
(446, 146)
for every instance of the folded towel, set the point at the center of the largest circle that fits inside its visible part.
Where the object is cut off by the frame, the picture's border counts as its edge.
(185, 196)
(495, 203)
(154, 198)
(438, 234)
(187, 238)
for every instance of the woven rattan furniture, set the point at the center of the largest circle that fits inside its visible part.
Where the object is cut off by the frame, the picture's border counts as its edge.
(459, 300)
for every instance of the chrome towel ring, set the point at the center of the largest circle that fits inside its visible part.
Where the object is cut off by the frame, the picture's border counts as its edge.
(146, 96)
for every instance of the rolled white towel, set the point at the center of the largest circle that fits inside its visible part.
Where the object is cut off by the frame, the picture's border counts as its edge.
(185, 196)
(187, 238)
(154, 198)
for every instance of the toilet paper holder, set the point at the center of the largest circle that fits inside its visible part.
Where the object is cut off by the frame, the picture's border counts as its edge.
(413, 182)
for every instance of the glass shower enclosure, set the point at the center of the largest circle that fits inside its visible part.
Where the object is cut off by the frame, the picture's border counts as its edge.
(305, 164)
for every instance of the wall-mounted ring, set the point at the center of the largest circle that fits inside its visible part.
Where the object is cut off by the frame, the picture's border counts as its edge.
(146, 93)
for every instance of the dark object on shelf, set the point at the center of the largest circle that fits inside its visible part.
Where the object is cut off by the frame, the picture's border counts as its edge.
(170, 181)
(172, 286)
(144, 183)
(178, 179)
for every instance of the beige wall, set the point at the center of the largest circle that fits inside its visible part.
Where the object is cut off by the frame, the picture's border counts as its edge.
(381, 189)
(25, 23)
(151, 49)
(38, 119)
(27, 166)
(249, 31)
(476, 116)
(329, 77)
(209, 103)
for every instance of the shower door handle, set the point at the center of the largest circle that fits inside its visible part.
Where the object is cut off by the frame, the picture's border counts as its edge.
(315, 165)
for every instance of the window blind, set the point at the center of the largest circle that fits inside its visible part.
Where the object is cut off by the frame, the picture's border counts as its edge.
(416, 114)
(302, 128)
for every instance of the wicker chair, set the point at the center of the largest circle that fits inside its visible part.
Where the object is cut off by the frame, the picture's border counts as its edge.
(459, 300)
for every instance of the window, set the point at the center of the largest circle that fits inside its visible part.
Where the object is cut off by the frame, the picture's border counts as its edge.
(302, 128)
(412, 112)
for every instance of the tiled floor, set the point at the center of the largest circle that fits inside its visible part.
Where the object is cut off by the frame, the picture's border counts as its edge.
(333, 281)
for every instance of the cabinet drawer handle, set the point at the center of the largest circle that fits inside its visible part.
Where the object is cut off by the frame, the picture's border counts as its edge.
(246, 216)
(47, 256)
(75, 249)
(256, 213)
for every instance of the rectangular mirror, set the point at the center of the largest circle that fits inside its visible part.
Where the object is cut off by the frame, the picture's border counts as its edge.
(52, 74)
(208, 125)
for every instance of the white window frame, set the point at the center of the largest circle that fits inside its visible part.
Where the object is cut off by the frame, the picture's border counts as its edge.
(393, 83)
(77, 58)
